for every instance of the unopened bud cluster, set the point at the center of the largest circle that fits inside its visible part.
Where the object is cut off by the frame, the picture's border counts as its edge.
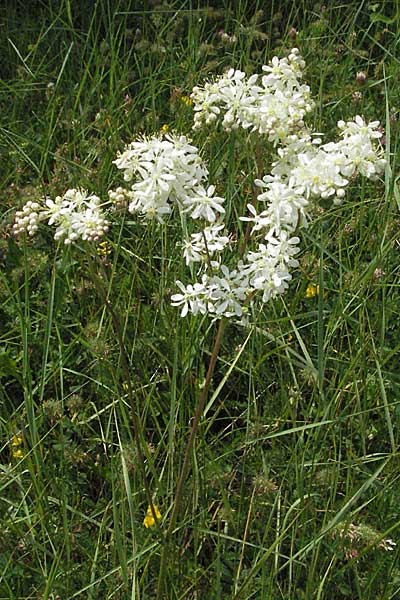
(27, 219)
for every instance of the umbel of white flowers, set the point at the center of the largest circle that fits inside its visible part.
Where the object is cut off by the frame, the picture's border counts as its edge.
(166, 171)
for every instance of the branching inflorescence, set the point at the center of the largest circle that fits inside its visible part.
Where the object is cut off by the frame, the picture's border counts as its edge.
(166, 171)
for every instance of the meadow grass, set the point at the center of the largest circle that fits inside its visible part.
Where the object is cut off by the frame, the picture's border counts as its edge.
(293, 483)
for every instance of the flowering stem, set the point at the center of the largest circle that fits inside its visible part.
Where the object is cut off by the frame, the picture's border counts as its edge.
(188, 451)
(125, 368)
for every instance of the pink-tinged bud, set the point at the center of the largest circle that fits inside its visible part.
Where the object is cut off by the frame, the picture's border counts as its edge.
(361, 77)
(292, 33)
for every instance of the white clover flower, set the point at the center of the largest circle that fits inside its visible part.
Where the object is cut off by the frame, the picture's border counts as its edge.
(203, 205)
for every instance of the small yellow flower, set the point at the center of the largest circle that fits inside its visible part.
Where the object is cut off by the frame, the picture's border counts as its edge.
(289, 338)
(103, 249)
(18, 454)
(165, 128)
(312, 290)
(16, 440)
(149, 521)
(186, 100)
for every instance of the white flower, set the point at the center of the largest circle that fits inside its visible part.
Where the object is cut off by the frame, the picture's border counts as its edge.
(283, 247)
(205, 244)
(90, 224)
(360, 128)
(266, 272)
(76, 215)
(318, 173)
(203, 204)
(227, 293)
(285, 204)
(164, 171)
(193, 297)
(275, 108)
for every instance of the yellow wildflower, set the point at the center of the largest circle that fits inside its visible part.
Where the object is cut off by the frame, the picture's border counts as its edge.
(186, 100)
(103, 249)
(16, 440)
(165, 128)
(18, 454)
(149, 520)
(312, 290)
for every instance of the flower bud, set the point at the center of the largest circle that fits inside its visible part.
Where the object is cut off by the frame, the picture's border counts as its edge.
(361, 77)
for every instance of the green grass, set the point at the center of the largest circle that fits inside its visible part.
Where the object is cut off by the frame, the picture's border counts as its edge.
(300, 434)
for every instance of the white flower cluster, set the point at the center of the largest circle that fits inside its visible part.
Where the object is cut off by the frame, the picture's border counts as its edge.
(166, 170)
(325, 170)
(205, 244)
(219, 295)
(27, 219)
(274, 103)
(76, 215)
(305, 169)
